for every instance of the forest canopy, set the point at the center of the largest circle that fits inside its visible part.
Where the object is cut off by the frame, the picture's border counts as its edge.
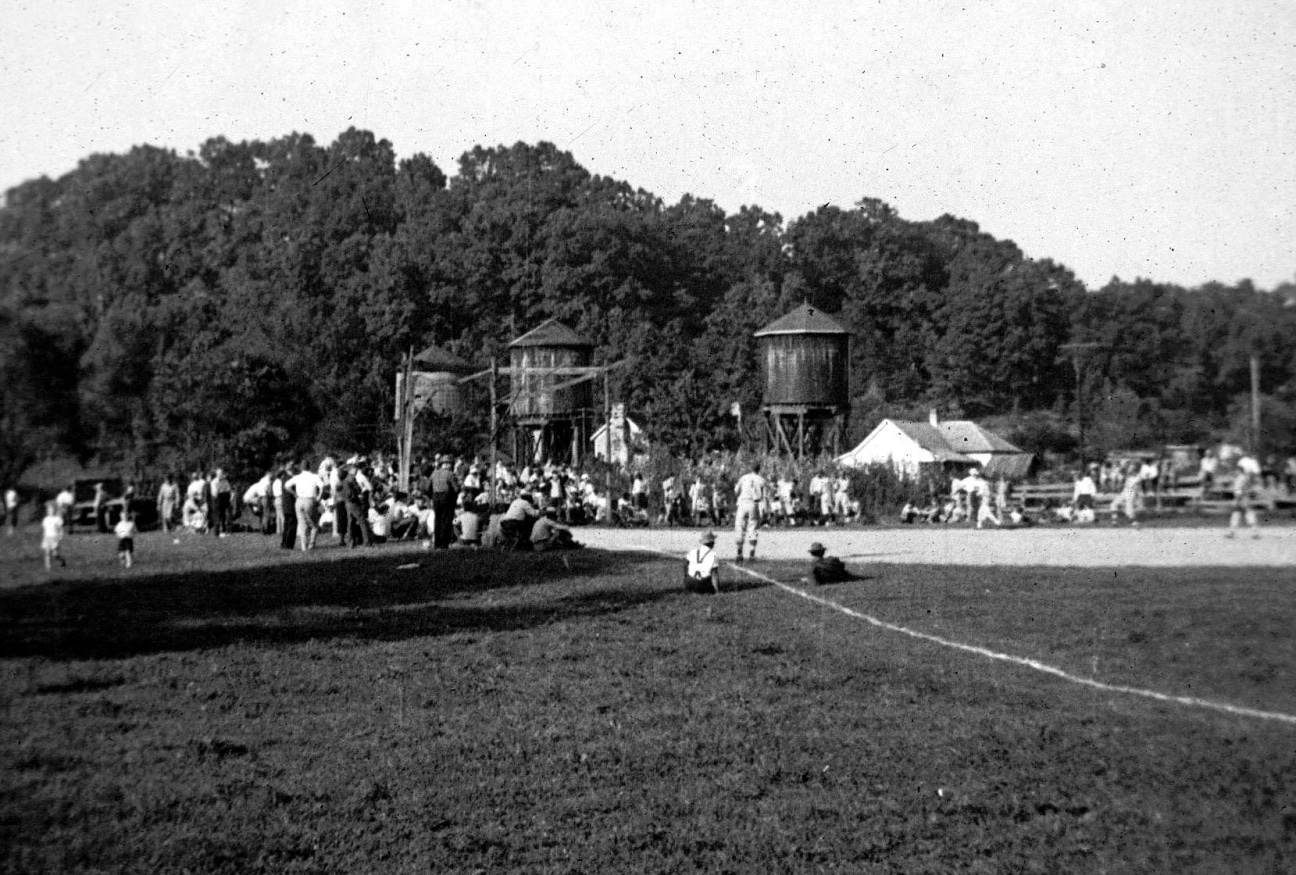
(254, 299)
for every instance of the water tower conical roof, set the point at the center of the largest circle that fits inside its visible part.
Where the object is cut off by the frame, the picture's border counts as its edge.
(806, 319)
(551, 333)
(434, 358)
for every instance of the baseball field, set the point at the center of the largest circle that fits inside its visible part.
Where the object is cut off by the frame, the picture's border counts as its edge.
(1051, 700)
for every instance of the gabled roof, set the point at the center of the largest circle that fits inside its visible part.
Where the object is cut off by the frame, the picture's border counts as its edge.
(803, 320)
(931, 439)
(965, 436)
(952, 441)
(551, 333)
(437, 359)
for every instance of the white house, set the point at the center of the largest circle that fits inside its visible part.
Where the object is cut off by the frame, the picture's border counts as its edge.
(620, 453)
(958, 444)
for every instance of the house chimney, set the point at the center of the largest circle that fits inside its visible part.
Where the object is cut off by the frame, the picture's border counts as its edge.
(933, 418)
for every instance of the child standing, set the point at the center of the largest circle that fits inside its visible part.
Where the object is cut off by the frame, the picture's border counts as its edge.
(52, 535)
(125, 531)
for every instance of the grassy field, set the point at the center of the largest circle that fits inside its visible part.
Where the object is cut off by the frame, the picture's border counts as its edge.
(226, 707)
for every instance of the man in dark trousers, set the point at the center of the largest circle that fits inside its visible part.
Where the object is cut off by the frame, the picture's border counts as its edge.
(444, 486)
(357, 515)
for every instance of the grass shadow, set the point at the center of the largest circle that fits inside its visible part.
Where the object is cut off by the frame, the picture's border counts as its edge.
(370, 597)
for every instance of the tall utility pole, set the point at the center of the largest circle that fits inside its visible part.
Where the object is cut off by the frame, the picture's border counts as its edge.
(607, 418)
(405, 406)
(1078, 352)
(1255, 407)
(494, 429)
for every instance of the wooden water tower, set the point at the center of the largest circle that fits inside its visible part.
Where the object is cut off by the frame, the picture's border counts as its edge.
(437, 373)
(551, 406)
(805, 367)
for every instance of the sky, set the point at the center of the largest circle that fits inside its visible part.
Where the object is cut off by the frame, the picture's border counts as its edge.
(1154, 139)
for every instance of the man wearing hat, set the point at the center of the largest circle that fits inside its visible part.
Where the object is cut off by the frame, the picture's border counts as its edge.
(444, 488)
(549, 534)
(701, 575)
(827, 569)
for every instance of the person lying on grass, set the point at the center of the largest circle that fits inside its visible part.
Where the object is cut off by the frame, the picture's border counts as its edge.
(827, 569)
(700, 572)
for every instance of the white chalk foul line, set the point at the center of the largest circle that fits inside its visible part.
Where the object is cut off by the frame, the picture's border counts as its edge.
(1021, 660)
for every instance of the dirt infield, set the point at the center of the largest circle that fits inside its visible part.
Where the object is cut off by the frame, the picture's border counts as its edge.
(1057, 546)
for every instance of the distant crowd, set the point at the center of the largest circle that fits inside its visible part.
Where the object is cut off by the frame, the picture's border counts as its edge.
(452, 501)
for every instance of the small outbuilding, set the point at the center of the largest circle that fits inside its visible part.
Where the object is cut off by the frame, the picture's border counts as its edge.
(958, 444)
(621, 450)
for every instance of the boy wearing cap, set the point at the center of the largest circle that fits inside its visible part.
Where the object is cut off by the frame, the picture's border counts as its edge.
(700, 574)
(827, 569)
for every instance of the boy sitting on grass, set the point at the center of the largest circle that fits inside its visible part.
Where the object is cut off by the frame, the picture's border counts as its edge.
(827, 569)
(700, 574)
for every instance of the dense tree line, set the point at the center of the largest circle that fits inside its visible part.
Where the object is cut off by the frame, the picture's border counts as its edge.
(254, 299)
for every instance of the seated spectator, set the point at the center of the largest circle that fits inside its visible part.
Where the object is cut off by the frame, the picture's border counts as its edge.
(467, 526)
(908, 513)
(700, 572)
(827, 569)
(192, 515)
(380, 523)
(548, 534)
(518, 520)
(404, 519)
(1018, 518)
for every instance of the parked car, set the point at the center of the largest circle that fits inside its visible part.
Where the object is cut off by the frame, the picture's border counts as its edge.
(83, 509)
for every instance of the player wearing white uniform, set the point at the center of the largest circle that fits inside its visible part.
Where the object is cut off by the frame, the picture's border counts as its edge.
(750, 491)
(1246, 496)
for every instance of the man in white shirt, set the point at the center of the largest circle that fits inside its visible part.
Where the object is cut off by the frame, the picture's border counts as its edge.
(1082, 497)
(785, 489)
(11, 510)
(307, 488)
(701, 575)
(257, 499)
(750, 490)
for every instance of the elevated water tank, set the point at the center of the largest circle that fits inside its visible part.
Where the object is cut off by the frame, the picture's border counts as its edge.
(805, 361)
(436, 380)
(539, 396)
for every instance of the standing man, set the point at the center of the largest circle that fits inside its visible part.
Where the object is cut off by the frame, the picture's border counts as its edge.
(308, 488)
(1082, 496)
(101, 508)
(11, 510)
(749, 491)
(223, 493)
(356, 530)
(65, 501)
(816, 495)
(444, 486)
(785, 489)
(978, 493)
(841, 497)
(168, 499)
(1246, 496)
(209, 502)
(1130, 495)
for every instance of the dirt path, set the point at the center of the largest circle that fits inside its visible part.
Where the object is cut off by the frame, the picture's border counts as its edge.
(1072, 547)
